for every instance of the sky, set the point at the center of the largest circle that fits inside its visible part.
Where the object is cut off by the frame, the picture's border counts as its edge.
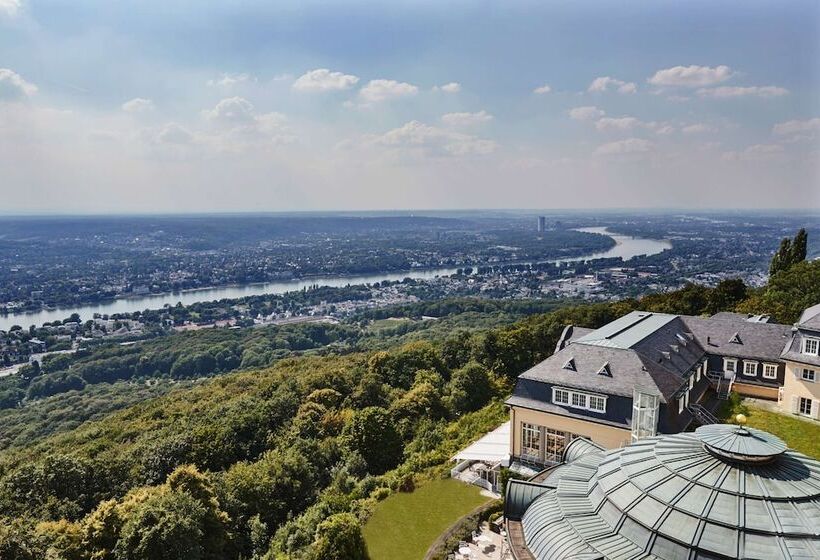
(190, 106)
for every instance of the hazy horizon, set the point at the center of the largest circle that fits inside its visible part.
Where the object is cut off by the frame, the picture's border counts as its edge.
(155, 107)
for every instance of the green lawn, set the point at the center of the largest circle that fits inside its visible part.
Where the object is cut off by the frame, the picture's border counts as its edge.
(800, 435)
(405, 524)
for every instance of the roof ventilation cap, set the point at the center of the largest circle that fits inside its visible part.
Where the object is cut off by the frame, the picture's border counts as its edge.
(739, 443)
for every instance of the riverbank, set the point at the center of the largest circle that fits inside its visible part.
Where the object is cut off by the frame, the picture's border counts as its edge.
(625, 247)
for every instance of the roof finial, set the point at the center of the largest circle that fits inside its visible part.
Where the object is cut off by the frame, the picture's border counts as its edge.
(741, 419)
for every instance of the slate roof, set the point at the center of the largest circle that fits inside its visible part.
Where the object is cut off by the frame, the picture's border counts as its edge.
(794, 351)
(810, 319)
(669, 497)
(650, 352)
(628, 370)
(760, 341)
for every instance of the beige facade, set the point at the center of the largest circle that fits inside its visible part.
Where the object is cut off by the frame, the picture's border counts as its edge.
(800, 395)
(555, 431)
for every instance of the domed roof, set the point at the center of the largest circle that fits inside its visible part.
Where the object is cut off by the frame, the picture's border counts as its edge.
(716, 493)
(740, 443)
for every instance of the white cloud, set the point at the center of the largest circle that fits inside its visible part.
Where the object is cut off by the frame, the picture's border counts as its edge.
(238, 125)
(383, 90)
(452, 87)
(587, 113)
(807, 128)
(698, 128)
(323, 79)
(466, 119)
(231, 110)
(620, 123)
(173, 133)
(605, 83)
(10, 7)
(724, 92)
(664, 129)
(138, 105)
(628, 146)
(758, 152)
(542, 89)
(691, 76)
(422, 139)
(230, 80)
(13, 87)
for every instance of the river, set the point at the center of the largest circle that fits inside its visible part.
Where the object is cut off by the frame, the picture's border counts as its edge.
(625, 247)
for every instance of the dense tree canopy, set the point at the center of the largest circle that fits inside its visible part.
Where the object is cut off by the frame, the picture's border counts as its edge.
(287, 460)
(790, 252)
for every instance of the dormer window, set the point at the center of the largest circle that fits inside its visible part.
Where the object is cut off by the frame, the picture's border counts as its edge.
(605, 370)
(570, 365)
(735, 339)
(811, 345)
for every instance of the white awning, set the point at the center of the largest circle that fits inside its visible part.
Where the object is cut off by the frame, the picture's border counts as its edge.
(492, 448)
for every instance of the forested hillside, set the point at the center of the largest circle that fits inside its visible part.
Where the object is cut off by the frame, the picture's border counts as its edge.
(286, 461)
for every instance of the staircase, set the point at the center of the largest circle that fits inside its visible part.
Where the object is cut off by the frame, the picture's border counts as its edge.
(720, 384)
(702, 415)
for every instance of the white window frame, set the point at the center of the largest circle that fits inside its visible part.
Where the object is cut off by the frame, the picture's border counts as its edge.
(530, 433)
(726, 362)
(747, 363)
(691, 382)
(698, 374)
(800, 402)
(578, 399)
(808, 374)
(814, 343)
(680, 405)
(767, 368)
(597, 399)
(559, 391)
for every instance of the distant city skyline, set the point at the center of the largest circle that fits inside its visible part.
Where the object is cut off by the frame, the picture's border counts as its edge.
(141, 107)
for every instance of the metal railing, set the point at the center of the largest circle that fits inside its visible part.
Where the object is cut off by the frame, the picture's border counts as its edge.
(703, 415)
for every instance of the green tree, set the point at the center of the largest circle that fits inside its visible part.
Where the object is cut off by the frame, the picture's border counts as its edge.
(372, 433)
(167, 526)
(799, 246)
(470, 388)
(16, 541)
(726, 295)
(339, 537)
(787, 294)
(790, 252)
